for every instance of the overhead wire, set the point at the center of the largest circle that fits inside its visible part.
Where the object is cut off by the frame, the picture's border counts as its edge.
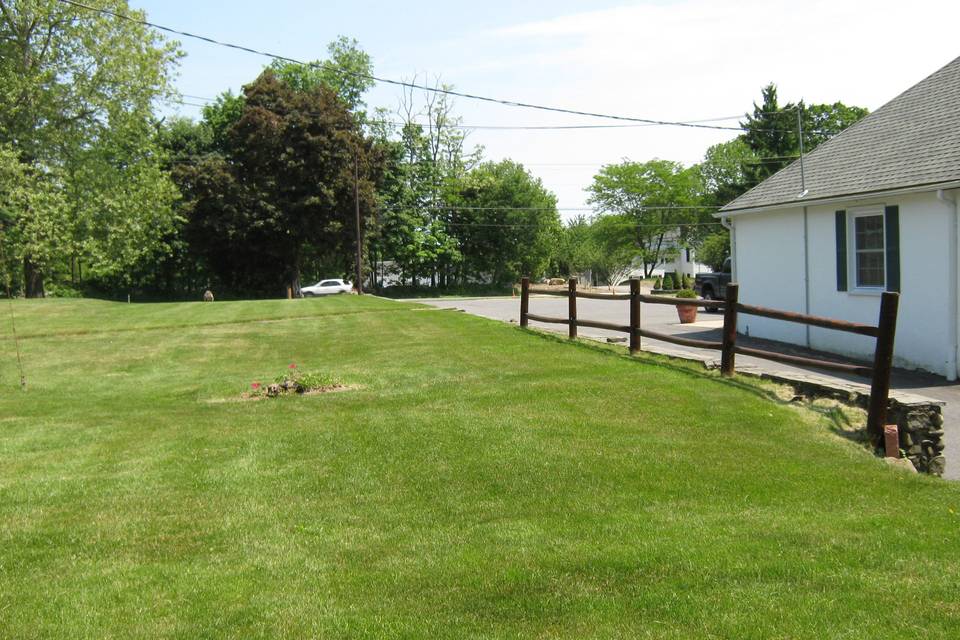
(492, 127)
(391, 81)
(486, 127)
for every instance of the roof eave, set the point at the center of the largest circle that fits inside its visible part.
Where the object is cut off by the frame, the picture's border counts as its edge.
(862, 195)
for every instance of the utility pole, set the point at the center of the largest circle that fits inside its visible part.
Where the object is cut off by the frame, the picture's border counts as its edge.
(358, 279)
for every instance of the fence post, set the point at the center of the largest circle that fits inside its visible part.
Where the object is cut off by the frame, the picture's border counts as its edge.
(634, 315)
(524, 300)
(882, 364)
(727, 355)
(572, 307)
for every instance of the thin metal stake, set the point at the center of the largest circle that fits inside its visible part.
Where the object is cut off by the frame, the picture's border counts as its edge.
(13, 322)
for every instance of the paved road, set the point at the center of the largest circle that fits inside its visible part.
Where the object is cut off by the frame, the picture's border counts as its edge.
(663, 319)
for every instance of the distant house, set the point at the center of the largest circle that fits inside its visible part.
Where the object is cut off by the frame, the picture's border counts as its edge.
(877, 211)
(683, 260)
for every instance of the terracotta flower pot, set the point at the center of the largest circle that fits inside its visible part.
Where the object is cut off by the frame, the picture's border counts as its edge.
(687, 313)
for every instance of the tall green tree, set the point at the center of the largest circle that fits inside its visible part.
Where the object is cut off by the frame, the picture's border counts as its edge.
(218, 117)
(77, 90)
(823, 121)
(505, 221)
(661, 197)
(725, 170)
(614, 237)
(771, 133)
(32, 216)
(347, 71)
(574, 252)
(772, 130)
(433, 160)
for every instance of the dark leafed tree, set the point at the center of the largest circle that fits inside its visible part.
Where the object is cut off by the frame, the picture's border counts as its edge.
(282, 190)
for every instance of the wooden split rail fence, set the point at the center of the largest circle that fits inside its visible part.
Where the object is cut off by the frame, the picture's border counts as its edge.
(883, 332)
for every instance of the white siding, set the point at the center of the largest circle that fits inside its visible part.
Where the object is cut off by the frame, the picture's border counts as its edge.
(770, 269)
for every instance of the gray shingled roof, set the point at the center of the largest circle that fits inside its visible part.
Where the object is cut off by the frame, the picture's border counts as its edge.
(912, 140)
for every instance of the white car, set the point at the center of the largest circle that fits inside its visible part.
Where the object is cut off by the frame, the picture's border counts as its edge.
(326, 287)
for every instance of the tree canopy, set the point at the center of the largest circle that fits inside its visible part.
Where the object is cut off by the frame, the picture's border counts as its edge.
(77, 93)
(282, 192)
(505, 221)
(772, 131)
(662, 198)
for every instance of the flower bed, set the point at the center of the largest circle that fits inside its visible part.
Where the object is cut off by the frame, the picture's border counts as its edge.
(295, 381)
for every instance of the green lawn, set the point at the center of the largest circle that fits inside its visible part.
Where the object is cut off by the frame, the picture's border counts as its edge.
(478, 481)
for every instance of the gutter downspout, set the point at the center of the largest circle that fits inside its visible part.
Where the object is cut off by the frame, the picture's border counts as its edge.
(953, 356)
(725, 222)
(806, 273)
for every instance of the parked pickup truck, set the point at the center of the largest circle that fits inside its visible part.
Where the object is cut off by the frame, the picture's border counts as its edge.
(713, 286)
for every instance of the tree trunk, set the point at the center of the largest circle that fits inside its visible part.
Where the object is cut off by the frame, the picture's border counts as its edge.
(32, 279)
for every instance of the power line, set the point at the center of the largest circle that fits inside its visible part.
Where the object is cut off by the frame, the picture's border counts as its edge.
(487, 127)
(188, 159)
(625, 225)
(400, 83)
(533, 209)
(494, 127)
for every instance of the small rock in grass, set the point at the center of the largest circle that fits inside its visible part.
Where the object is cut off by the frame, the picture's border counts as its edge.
(618, 339)
(937, 465)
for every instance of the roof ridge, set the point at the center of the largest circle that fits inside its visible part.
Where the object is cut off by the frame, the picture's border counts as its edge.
(867, 144)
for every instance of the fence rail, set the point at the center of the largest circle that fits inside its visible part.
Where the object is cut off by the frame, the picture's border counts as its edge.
(883, 333)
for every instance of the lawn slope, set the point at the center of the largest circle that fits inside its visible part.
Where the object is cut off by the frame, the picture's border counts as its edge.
(477, 481)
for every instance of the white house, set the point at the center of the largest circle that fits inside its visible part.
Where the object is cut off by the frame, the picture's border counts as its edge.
(872, 209)
(684, 260)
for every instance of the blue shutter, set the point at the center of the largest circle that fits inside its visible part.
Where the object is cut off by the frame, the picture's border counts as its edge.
(841, 250)
(891, 221)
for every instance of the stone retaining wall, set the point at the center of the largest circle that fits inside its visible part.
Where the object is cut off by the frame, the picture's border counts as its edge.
(918, 419)
(921, 434)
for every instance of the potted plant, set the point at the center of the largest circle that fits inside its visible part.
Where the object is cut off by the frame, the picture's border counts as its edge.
(687, 312)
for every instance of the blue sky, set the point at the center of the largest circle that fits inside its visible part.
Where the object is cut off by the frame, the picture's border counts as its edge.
(680, 60)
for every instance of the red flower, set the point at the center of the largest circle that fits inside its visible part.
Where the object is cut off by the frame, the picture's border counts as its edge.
(293, 365)
(255, 385)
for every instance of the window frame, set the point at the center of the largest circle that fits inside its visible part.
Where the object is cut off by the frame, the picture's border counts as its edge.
(854, 280)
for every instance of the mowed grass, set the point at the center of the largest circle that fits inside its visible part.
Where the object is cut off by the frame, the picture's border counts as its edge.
(477, 481)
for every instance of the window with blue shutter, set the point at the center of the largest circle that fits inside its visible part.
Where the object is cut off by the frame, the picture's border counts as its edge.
(892, 233)
(868, 249)
(841, 217)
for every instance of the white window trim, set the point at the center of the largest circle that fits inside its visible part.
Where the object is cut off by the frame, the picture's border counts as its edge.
(852, 215)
